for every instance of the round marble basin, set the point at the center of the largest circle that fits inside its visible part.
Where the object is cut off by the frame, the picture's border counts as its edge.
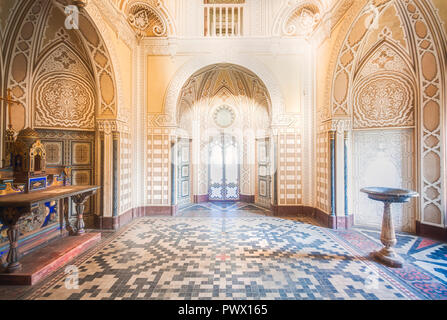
(389, 194)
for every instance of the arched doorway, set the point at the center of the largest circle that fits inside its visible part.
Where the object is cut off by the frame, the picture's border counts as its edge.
(224, 110)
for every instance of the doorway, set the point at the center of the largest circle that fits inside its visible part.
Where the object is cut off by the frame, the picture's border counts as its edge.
(183, 172)
(223, 169)
(264, 177)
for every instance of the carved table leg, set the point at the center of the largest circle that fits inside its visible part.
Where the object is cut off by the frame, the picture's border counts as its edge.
(10, 217)
(64, 209)
(79, 201)
(13, 254)
(80, 220)
(387, 255)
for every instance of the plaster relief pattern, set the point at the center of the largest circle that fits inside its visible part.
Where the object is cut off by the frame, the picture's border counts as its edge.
(64, 102)
(344, 68)
(146, 21)
(63, 59)
(384, 58)
(384, 101)
(20, 64)
(149, 18)
(302, 21)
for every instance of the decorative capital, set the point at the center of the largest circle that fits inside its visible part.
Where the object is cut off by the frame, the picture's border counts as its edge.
(106, 126)
(109, 126)
(341, 125)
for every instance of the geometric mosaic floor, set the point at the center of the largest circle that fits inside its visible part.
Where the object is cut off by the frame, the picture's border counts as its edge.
(239, 251)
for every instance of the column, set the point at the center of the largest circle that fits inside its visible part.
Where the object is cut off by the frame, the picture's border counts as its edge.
(332, 152)
(115, 182)
(339, 174)
(274, 163)
(346, 173)
(174, 171)
(139, 127)
(107, 172)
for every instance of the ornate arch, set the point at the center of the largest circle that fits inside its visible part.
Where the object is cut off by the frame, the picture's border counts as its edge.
(348, 59)
(428, 72)
(383, 88)
(194, 65)
(348, 20)
(432, 80)
(17, 12)
(223, 84)
(63, 91)
(19, 57)
(97, 41)
(112, 76)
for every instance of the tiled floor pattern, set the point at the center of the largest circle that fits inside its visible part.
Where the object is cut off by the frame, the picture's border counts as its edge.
(233, 210)
(239, 254)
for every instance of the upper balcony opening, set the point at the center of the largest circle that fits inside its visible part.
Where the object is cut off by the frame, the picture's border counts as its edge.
(223, 18)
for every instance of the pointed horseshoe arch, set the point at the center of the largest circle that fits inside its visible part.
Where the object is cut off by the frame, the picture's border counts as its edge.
(194, 65)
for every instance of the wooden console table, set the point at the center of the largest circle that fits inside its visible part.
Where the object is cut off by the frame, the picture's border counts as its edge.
(13, 207)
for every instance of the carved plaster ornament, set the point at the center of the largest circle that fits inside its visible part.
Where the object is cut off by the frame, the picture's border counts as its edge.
(146, 21)
(301, 22)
